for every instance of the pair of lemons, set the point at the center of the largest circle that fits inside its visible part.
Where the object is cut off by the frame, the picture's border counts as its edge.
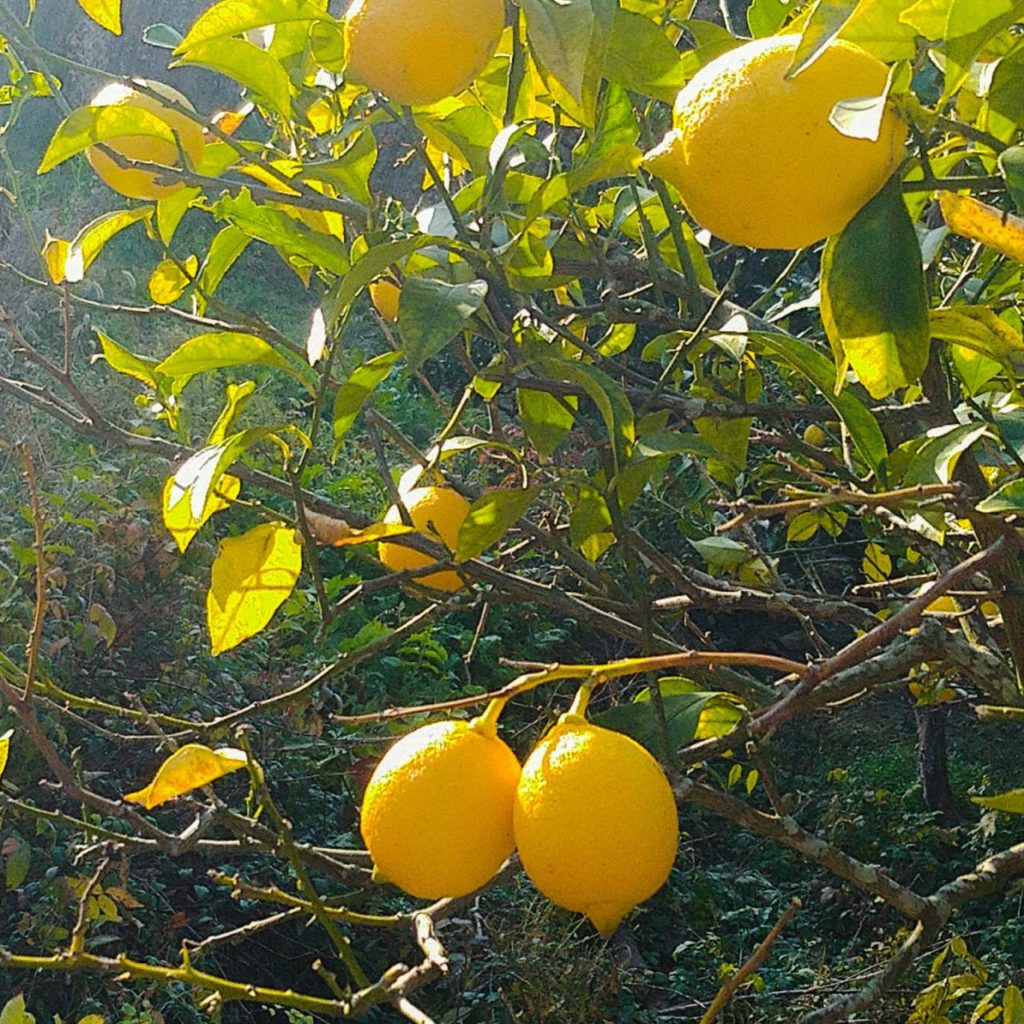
(591, 814)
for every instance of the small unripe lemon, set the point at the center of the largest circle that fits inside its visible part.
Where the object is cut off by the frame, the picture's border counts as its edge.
(437, 812)
(595, 821)
(384, 294)
(437, 512)
(814, 435)
(420, 51)
(138, 183)
(753, 153)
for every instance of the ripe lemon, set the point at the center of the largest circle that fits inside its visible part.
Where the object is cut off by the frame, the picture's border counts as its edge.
(754, 156)
(814, 435)
(384, 294)
(437, 512)
(437, 812)
(595, 821)
(135, 182)
(420, 51)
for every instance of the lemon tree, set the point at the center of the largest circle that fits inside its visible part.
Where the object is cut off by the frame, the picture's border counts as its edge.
(693, 383)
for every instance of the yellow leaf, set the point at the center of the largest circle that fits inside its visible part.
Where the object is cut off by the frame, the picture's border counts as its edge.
(104, 12)
(5, 748)
(186, 769)
(14, 1012)
(168, 281)
(55, 256)
(877, 565)
(251, 577)
(178, 514)
(375, 532)
(983, 223)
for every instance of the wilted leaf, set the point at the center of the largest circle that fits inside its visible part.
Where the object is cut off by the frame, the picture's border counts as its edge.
(989, 225)
(251, 577)
(178, 517)
(55, 256)
(168, 281)
(186, 769)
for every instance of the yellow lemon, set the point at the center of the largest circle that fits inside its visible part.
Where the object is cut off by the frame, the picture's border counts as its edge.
(437, 512)
(595, 821)
(136, 182)
(384, 294)
(420, 51)
(437, 812)
(754, 156)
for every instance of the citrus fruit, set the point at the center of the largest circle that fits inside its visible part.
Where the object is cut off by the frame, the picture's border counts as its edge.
(814, 435)
(437, 512)
(136, 182)
(754, 156)
(420, 51)
(595, 821)
(384, 295)
(437, 812)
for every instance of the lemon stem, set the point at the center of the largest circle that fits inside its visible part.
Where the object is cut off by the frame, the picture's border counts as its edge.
(488, 721)
(582, 699)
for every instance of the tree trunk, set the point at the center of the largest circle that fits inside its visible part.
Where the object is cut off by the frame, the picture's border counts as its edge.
(933, 761)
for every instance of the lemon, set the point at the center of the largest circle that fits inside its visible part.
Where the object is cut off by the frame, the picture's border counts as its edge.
(437, 512)
(136, 182)
(814, 435)
(384, 294)
(595, 821)
(420, 51)
(754, 156)
(437, 812)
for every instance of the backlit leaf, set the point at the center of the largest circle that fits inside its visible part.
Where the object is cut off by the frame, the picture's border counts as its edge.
(251, 577)
(217, 350)
(168, 281)
(185, 770)
(55, 256)
(14, 1012)
(969, 26)
(5, 749)
(233, 17)
(820, 28)
(874, 303)
(547, 418)
(352, 395)
(642, 58)
(178, 517)
(104, 12)
(89, 242)
(225, 249)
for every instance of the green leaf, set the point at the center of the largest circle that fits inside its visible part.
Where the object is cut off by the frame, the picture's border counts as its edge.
(370, 265)
(291, 239)
(590, 520)
(252, 576)
(489, 518)
(352, 395)
(171, 209)
(217, 350)
(104, 12)
(1010, 802)
(432, 313)
(936, 459)
(569, 40)
(228, 244)
(161, 35)
(1013, 1005)
(874, 303)
(88, 125)
(722, 551)
(1011, 166)
(1008, 498)
(233, 17)
(546, 418)
(864, 430)
(611, 401)
(142, 368)
(820, 28)
(350, 172)
(236, 399)
(765, 17)
(969, 26)
(642, 58)
(248, 64)
(17, 863)
(89, 242)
